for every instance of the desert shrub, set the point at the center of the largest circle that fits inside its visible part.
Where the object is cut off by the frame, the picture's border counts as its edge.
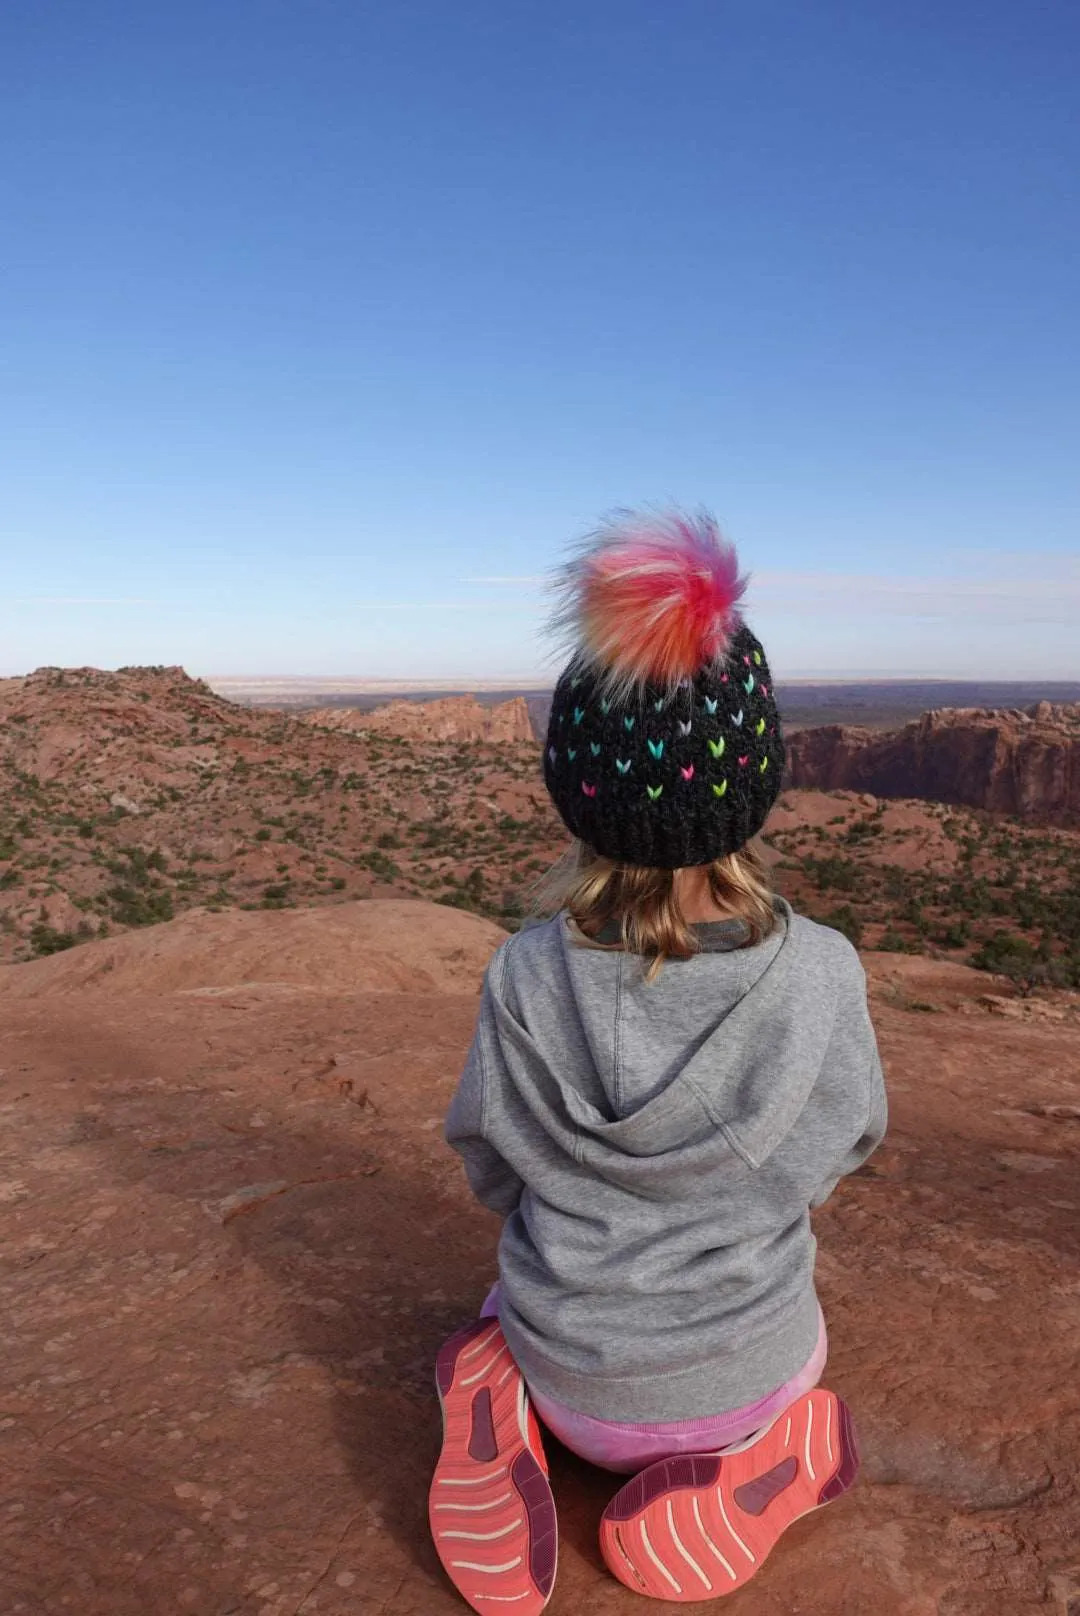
(455, 899)
(833, 873)
(137, 906)
(1008, 955)
(275, 896)
(377, 862)
(844, 919)
(893, 942)
(45, 940)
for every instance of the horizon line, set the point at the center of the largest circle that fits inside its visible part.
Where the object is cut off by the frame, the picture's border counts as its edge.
(374, 685)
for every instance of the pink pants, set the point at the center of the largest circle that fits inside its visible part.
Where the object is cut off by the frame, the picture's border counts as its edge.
(627, 1448)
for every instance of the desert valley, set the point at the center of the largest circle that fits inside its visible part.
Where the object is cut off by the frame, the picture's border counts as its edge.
(242, 950)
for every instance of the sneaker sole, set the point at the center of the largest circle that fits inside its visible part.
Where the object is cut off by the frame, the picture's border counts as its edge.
(700, 1526)
(490, 1507)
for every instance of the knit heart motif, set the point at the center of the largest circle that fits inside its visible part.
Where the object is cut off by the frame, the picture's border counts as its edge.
(763, 765)
(594, 747)
(721, 788)
(579, 714)
(623, 768)
(684, 729)
(590, 791)
(717, 747)
(571, 752)
(748, 683)
(552, 754)
(656, 748)
(710, 703)
(759, 727)
(744, 761)
(687, 773)
(654, 792)
(628, 721)
(605, 706)
(757, 658)
(658, 706)
(738, 717)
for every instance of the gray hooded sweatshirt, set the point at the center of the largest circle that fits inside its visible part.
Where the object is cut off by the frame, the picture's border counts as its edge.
(655, 1149)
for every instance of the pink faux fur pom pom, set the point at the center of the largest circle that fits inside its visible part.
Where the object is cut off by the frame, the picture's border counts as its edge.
(651, 599)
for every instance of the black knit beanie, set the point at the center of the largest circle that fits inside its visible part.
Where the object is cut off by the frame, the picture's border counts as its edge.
(664, 745)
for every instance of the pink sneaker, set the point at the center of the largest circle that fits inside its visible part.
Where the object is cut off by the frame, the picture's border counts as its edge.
(699, 1526)
(490, 1507)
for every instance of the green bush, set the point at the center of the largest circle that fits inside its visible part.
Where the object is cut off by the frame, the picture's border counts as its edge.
(844, 919)
(135, 906)
(892, 942)
(45, 940)
(377, 862)
(1014, 957)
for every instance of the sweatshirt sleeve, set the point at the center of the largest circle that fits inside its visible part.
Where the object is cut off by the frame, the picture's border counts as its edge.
(492, 1180)
(853, 1048)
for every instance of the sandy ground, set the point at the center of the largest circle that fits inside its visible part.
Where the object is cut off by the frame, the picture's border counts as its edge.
(232, 1240)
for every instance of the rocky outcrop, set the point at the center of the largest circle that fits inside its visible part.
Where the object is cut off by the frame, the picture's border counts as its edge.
(450, 718)
(1009, 761)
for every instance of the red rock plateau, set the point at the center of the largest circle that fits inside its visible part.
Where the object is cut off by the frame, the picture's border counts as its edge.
(130, 797)
(233, 1239)
(127, 797)
(447, 718)
(1022, 763)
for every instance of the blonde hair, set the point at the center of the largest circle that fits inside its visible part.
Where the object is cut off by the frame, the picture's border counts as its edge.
(643, 903)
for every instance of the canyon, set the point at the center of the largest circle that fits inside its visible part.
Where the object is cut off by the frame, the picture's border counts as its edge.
(1017, 762)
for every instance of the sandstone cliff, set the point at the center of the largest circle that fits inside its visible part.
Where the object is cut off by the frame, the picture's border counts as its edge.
(449, 718)
(1021, 762)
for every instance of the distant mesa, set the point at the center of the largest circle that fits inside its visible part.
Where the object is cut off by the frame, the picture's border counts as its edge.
(1019, 761)
(450, 718)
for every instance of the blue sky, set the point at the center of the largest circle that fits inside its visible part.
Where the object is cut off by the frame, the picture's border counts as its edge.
(326, 325)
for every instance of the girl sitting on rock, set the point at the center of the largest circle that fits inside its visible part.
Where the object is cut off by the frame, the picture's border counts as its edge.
(666, 1076)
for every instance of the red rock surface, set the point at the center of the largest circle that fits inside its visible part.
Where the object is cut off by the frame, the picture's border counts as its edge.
(1021, 763)
(447, 718)
(233, 1239)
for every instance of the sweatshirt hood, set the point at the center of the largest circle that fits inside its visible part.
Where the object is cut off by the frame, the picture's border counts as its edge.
(656, 1083)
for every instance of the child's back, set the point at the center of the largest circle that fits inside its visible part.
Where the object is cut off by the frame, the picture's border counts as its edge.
(656, 1146)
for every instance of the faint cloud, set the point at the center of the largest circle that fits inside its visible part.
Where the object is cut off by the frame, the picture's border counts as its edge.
(1048, 591)
(431, 605)
(525, 581)
(81, 600)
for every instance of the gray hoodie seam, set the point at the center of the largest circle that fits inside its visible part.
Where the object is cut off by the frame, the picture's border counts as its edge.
(616, 1074)
(499, 987)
